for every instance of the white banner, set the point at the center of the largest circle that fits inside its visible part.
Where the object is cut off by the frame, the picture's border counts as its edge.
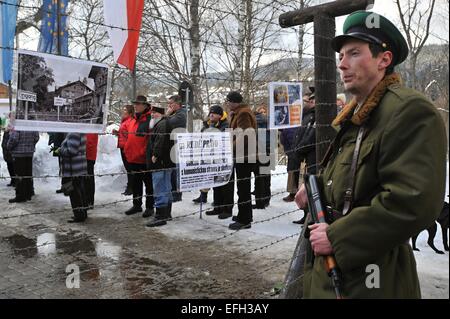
(60, 94)
(286, 105)
(205, 159)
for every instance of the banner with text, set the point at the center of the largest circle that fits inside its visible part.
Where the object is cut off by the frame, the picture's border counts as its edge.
(205, 159)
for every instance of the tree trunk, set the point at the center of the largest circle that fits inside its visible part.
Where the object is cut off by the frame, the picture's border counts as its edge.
(412, 71)
(301, 35)
(248, 49)
(194, 35)
(239, 69)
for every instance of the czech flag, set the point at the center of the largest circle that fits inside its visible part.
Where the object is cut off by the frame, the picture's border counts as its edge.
(124, 18)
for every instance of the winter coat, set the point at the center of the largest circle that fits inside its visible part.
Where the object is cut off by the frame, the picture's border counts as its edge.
(287, 140)
(222, 125)
(123, 132)
(160, 145)
(261, 123)
(136, 144)
(73, 155)
(243, 118)
(305, 143)
(7, 156)
(399, 188)
(91, 147)
(178, 119)
(22, 143)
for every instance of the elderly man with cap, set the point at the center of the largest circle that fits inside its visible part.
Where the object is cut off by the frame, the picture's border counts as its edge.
(159, 161)
(135, 153)
(384, 175)
(243, 125)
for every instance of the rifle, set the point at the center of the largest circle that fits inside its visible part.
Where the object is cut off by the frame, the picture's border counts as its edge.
(317, 211)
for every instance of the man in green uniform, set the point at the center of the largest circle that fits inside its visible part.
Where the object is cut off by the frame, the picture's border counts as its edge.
(392, 186)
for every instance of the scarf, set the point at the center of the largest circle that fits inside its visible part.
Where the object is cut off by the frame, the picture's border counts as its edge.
(369, 105)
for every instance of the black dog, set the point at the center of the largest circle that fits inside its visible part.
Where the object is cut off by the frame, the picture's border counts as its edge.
(443, 221)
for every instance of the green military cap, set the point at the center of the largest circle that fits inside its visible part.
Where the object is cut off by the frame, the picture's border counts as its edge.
(373, 28)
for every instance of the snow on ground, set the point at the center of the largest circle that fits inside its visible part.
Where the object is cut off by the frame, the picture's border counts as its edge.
(433, 268)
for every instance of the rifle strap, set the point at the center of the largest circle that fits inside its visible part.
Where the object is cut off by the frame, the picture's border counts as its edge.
(348, 195)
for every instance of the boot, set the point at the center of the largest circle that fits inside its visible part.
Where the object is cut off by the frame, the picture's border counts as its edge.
(301, 221)
(17, 200)
(203, 198)
(160, 217)
(226, 213)
(169, 211)
(79, 216)
(148, 212)
(133, 210)
(128, 191)
(289, 198)
(212, 212)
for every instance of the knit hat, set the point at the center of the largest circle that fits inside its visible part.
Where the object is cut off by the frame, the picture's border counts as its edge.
(216, 109)
(234, 97)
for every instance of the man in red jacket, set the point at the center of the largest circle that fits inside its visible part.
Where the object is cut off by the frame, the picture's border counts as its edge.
(91, 157)
(135, 153)
(122, 136)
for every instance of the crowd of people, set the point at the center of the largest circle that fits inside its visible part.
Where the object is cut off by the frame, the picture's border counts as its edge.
(143, 139)
(382, 180)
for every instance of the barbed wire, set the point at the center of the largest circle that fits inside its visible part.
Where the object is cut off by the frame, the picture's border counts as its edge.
(175, 278)
(164, 169)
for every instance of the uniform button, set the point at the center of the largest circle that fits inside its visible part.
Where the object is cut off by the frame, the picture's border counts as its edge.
(329, 182)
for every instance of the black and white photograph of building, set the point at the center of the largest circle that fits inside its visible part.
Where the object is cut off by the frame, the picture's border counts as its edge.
(61, 90)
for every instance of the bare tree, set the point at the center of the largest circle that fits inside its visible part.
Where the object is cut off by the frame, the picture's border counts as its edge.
(416, 24)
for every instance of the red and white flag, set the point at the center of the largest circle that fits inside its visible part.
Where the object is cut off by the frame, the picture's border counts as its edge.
(124, 18)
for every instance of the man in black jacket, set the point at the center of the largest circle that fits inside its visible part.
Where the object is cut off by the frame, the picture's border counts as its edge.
(305, 140)
(177, 117)
(158, 158)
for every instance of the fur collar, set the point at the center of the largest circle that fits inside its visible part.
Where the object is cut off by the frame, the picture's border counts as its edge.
(371, 103)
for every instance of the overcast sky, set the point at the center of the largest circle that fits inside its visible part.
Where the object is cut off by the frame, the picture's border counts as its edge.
(288, 38)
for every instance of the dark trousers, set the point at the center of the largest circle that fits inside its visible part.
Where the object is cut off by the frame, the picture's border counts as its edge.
(138, 179)
(127, 168)
(77, 197)
(243, 175)
(174, 181)
(262, 187)
(90, 183)
(224, 196)
(11, 171)
(23, 166)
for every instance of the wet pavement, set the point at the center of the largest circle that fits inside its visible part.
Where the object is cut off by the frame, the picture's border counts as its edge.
(118, 257)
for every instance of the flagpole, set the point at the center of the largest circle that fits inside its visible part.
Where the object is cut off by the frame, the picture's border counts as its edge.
(10, 95)
(58, 26)
(133, 81)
